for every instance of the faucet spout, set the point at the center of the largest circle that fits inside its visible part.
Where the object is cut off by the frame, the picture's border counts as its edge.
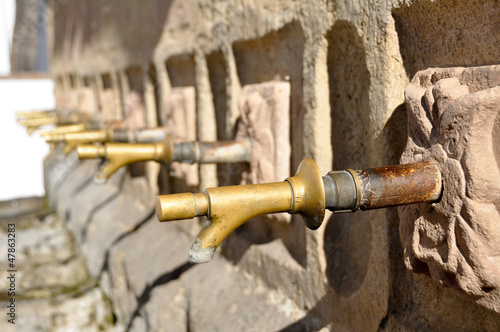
(20, 116)
(229, 207)
(34, 114)
(73, 139)
(63, 130)
(121, 154)
(50, 119)
(38, 122)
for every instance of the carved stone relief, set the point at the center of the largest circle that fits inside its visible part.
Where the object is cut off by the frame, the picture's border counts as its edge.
(265, 121)
(454, 119)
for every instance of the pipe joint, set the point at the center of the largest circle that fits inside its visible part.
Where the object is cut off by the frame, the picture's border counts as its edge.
(342, 191)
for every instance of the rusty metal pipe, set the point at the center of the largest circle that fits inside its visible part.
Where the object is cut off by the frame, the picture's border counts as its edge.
(212, 152)
(399, 185)
(374, 188)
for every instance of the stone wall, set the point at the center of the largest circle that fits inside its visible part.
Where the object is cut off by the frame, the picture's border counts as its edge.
(200, 68)
(29, 51)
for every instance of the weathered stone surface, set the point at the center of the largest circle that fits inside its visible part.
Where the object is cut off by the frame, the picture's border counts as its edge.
(81, 177)
(90, 199)
(37, 281)
(29, 51)
(204, 297)
(42, 244)
(434, 34)
(114, 220)
(45, 261)
(20, 206)
(159, 256)
(89, 312)
(222, 299)
(60, 168)
(455, 121)
(348, 63)
(167, 315)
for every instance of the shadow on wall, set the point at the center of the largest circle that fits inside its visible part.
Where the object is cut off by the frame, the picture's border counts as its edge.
(179, 113)
(347, 241)
(84, 25)
(448, 33)
(219, 77)
(277, 56)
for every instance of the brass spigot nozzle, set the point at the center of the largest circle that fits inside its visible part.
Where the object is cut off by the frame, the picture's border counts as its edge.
(28, 114)
(22, 116)
(73, 139)
(307, 193)
(64, 129)
(39, 121)
(121, 154)
(229, 207)
(51, 119)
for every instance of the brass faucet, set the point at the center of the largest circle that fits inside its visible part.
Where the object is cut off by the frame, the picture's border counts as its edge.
(43, 113)
(63, 129)
(71, 140)
(35, 123)
(20, 116)
(307, 193)
(106, 135)
(121, 154)
(52, 118)
(33, 113)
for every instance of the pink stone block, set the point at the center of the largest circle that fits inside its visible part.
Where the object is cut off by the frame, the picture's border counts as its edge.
(135, 111)
(110, 105)
(265, 120)
(86, 100)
